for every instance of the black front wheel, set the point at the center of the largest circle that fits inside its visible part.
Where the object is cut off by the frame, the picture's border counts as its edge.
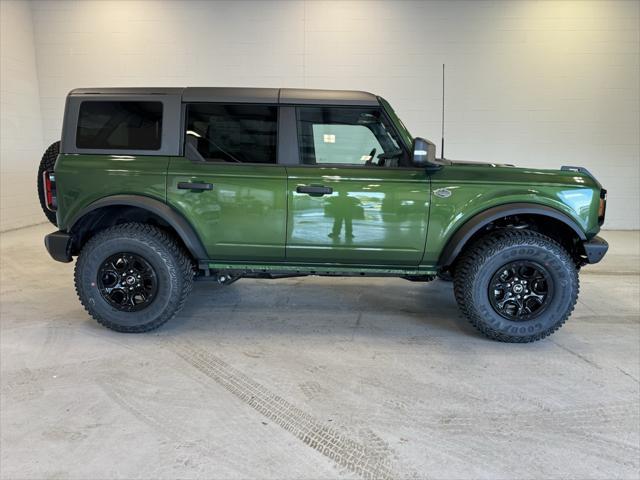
(133, 277)
(516, 285)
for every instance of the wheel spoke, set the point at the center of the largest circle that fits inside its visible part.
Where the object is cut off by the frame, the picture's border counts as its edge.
(139, 297)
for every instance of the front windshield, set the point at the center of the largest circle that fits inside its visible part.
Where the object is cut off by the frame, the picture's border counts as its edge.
(404, 132)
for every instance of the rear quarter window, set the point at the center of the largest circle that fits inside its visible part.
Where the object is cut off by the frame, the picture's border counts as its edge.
(120, 125)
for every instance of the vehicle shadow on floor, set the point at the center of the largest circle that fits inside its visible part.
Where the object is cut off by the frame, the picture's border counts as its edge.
(316, 306)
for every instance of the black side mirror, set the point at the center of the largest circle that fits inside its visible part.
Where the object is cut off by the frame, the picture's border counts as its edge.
(424, 152)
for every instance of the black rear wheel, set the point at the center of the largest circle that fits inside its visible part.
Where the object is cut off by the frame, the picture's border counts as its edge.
(133, 277)
(47, 163)
(127, 282)
(516, 285)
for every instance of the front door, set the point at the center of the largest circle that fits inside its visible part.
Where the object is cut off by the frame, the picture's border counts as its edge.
(228, 184)
(354, 198)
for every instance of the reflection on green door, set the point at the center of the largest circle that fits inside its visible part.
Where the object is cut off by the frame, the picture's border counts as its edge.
(375, 216)
(242, 217)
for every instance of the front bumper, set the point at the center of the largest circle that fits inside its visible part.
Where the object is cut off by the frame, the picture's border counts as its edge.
(595, 249)
(58, 245)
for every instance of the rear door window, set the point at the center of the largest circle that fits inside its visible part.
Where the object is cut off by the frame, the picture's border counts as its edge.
(233, 133)
(125, 125)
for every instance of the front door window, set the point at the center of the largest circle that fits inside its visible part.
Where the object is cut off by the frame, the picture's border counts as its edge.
(347, 136)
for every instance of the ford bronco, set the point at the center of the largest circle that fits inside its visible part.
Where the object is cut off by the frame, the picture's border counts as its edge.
(153, 188)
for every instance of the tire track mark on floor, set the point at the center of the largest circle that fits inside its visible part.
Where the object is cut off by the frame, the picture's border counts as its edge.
(576, 354)
(581, 417)
(585, 425)
(628, 375)
(53, 341)
(28, 383)
(343, 451)
(313, 390)
(569, 423)
(188, 444)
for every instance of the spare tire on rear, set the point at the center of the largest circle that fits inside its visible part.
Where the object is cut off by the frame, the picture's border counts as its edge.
(46, 165)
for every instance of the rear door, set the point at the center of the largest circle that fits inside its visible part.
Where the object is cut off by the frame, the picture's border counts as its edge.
(353, 197)
(228, 184)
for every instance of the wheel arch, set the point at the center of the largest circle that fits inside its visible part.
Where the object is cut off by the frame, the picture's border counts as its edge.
(480, 222)
(117, 209)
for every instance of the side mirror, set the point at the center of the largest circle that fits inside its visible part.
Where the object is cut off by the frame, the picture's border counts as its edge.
(424, 152)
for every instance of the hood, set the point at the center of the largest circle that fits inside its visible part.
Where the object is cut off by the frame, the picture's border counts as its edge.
(480, 164)
(507, 173)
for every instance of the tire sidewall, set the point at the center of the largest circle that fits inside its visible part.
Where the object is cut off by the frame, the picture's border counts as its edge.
(564, 290)
(92, 257)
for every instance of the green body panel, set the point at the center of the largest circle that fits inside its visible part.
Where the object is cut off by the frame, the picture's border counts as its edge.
(83, 179)
(243, 217)
(374, 216)
(475, 188)
(253, 215)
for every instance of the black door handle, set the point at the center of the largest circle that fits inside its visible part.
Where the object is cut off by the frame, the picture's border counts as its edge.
(314, 191)
(195, 186)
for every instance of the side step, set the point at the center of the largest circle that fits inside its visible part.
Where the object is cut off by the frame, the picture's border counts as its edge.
(291, 270)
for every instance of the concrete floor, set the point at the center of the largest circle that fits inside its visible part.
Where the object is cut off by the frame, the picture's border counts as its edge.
(315, 378)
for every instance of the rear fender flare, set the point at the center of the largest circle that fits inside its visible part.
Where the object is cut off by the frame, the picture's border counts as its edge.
(177, 221)
(459, 239)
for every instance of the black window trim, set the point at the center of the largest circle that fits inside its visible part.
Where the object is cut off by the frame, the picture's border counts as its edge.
(352, 165)
(183, 129)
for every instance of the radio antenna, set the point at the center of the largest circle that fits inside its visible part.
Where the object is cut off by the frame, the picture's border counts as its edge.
(442, 144)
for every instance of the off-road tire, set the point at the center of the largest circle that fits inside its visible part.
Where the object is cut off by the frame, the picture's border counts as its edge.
(486, 256)
(47, 163)
(172, 265)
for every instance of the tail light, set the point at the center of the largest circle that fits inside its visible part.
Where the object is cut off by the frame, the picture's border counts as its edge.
(603, 206)
(49, 181)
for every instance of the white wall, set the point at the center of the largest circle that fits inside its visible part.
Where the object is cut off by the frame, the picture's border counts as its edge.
(20, 120)
(533, 83)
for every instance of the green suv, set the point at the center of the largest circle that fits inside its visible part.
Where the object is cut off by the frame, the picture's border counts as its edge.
(153, 188)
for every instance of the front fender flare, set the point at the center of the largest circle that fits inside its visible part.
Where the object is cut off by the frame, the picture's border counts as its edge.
(180, 224)
(458, 240)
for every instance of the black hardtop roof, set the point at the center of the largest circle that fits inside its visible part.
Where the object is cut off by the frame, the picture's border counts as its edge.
(289, 96)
